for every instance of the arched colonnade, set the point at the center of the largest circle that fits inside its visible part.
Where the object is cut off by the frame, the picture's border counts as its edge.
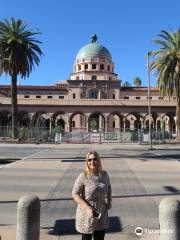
(92, 122)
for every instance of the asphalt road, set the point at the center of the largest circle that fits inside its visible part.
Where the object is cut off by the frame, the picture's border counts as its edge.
(140, 179)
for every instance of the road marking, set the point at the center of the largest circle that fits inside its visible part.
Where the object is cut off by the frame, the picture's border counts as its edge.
(33, 154)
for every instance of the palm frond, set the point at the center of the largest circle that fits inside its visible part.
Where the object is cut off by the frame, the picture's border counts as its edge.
(18, 45)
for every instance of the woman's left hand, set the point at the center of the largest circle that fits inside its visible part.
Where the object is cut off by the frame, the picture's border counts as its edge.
(109, 204)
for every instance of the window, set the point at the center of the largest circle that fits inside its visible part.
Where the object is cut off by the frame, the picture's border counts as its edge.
(38, 96)
(73, 123)
(148, 97)
(102, 67)
(94, 78)
(49, 96)
(174, 98)
(113, 124)
(114, 96)
(138, 97)
(108, 67)
(74, 95)
(61, 97)
(161, 98)
(26, 96)
(79, 67)
(93, 66)
(126, 97)
(86, 66)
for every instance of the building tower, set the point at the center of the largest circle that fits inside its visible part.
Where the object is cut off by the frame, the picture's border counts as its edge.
(93, 74)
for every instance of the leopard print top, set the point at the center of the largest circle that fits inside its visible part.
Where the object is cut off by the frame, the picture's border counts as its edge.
(93, 189)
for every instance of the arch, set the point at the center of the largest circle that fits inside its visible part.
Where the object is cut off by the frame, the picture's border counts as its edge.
(59, 120)
(114, 122)
(77, 112)
(5, 124)
(77, 122)
(170, 123)
(137, 124)
(133, 121)
(41, 119)
(154, 115)
(171, 115)
(24, 119)
(152, 119)
(158, 125)
(5, 118)
(61, 124)
(134, 114)
(127, 125)
(54, 115)
(96, 122)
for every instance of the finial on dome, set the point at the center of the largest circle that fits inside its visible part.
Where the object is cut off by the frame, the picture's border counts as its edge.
(94, 38)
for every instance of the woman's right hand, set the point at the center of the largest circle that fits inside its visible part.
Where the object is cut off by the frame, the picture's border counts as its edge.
(89, 212)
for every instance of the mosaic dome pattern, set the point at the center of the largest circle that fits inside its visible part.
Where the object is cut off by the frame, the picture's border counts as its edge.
(93, 50)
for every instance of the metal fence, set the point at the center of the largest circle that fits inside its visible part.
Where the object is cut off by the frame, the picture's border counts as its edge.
(55, 135)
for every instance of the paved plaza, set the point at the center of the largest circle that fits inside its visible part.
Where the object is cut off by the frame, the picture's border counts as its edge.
(140, 179)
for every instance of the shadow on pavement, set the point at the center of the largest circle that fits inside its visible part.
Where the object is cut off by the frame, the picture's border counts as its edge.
(73, 160)
(171, 189)
(114, 225)
(67, 226)
(172, 192)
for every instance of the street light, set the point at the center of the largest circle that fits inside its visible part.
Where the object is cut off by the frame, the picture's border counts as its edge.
(149, 100)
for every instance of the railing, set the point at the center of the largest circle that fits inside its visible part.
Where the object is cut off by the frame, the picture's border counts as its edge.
(56, 135)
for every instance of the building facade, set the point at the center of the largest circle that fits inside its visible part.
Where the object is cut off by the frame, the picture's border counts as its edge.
(91, 100)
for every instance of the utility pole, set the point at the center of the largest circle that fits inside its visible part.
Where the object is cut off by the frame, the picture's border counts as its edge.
(149, 100)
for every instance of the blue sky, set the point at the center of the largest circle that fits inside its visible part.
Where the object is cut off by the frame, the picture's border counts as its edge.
(126, 28)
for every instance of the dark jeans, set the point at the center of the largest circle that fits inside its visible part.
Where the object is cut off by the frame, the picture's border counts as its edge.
(97, 235)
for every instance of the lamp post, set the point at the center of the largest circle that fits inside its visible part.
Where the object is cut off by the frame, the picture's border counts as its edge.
(149, 100)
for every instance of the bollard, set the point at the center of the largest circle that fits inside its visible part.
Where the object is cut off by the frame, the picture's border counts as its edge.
(169, 219)
(28, 218)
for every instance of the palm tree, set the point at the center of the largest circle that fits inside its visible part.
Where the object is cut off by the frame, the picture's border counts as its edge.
(137, 81)
(19, 53)
(166, 64)
(126, 84)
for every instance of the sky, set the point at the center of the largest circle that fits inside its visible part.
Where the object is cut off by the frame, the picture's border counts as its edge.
(126, 28)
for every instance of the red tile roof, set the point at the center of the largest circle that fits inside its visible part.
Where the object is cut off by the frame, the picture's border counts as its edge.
(30, 87)
(139, 89)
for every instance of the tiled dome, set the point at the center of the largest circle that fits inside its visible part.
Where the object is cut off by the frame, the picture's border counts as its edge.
(93, 49)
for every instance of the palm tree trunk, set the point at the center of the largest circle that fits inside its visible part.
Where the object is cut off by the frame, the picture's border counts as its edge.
(178, 119)
(14, 105)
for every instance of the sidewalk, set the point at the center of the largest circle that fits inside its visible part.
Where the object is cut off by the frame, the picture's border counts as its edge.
(9, 233)
(94, 145)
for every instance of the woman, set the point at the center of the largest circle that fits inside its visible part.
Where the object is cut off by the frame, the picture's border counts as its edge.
(92, 193)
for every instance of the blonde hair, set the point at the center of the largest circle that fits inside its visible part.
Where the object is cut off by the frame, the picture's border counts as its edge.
(87, 171)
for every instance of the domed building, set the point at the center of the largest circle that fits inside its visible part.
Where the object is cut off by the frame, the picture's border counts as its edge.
(91, 100)
(94, 73)
(93, 62)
